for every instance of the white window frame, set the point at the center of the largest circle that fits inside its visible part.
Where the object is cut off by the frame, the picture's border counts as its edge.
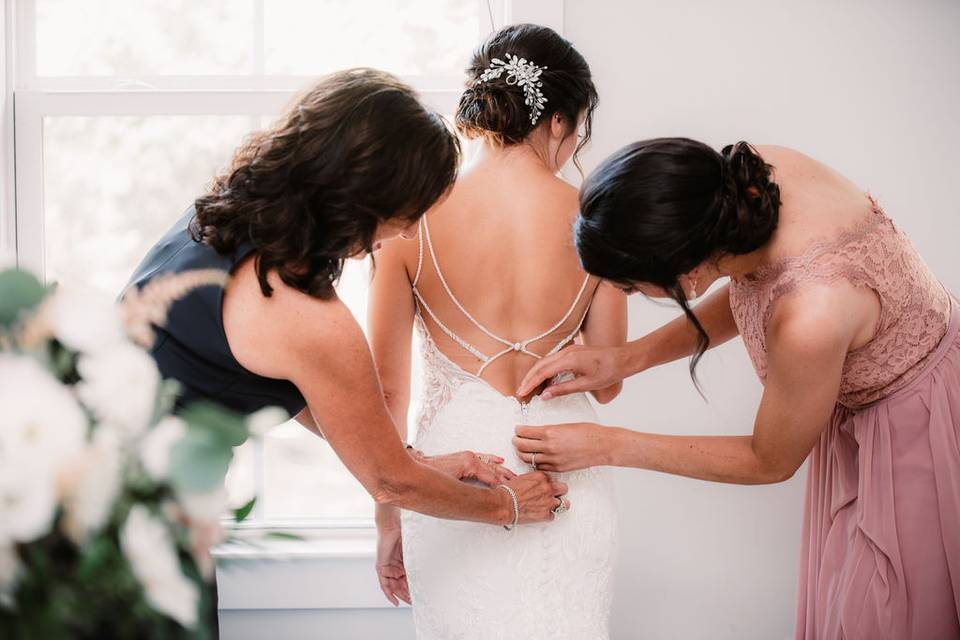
(28, 99)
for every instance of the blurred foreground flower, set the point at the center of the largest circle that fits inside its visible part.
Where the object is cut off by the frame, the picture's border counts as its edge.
(109, 503)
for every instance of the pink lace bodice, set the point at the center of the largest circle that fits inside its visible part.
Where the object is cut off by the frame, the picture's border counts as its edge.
(874, 254)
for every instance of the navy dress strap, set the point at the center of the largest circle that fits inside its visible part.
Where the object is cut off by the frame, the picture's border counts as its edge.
(192, 347)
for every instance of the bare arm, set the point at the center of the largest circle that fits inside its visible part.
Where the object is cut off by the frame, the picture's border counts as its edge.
(808, 343)
(606, 326)
(598, 367)
(390, 315)
(317, 345)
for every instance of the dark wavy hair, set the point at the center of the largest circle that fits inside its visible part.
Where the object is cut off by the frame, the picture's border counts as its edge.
(497, 110)
(356, 150)
(656, 209)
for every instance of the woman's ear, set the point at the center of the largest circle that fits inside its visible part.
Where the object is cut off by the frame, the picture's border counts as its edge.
(558, 126)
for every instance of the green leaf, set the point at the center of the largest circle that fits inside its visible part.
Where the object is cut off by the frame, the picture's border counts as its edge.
(199, 462)
(228, 426)
(282, 535)
(19, 292)
(241, 514)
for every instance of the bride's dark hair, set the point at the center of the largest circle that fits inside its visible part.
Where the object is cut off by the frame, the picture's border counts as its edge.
(356, 150)
(656, 209)
(497, 109)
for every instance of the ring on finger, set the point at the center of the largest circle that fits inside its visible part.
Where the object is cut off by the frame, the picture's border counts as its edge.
(533, 461)
(562, 507)
(483, 458)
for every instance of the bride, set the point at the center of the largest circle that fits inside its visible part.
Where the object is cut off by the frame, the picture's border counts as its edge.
(492, 284)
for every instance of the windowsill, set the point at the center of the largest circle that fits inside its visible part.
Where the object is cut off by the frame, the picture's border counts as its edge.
(321, 540)
(330, 566)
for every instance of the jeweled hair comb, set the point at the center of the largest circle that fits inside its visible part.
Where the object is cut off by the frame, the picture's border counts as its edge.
(524, 74)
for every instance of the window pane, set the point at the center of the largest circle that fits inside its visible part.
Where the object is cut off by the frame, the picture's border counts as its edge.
(408, 37)
(303, 478)
(144, 38)
(113, 185)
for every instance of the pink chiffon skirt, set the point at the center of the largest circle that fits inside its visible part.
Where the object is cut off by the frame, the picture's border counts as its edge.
(881, 535)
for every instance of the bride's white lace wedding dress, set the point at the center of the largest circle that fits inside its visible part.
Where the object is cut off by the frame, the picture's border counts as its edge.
(468, 580)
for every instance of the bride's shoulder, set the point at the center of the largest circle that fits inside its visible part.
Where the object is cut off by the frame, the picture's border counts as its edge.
(555, 192)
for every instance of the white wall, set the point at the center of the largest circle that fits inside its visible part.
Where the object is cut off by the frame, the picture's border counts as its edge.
(870, 87)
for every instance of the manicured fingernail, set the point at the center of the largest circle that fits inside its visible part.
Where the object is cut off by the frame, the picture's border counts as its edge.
(546, 395)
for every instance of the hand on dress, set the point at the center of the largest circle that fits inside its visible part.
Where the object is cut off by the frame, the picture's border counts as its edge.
(594, 368)
(564, 447)
(467, 465)
(390, 569)
(538, 495)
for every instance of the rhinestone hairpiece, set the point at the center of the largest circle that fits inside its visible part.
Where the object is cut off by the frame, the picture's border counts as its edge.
(523, 73)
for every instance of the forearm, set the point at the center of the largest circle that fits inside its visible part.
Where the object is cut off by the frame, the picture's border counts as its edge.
(678, 338)
(729, 459)
(418, 487)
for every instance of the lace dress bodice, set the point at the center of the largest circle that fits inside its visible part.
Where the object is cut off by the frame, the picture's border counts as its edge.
(874, 254)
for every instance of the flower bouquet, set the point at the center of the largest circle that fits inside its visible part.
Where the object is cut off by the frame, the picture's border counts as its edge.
(109, 502)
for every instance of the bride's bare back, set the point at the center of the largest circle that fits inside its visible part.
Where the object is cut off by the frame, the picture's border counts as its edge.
(503, 243)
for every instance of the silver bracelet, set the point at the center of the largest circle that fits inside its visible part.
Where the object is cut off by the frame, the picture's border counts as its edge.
(516, 506)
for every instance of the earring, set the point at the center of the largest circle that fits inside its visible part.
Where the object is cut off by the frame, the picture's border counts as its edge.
(693, 287)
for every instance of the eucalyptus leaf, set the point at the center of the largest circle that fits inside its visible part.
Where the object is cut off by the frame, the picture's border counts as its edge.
(19, 292)
(199, 461)
(282, 535)
(241, 514)
(228, 426)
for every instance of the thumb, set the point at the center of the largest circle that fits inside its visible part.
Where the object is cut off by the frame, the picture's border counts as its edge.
(577, 385)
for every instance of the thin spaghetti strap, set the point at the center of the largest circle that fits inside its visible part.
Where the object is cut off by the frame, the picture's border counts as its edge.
(423, 233)
(565, 317)
(453, 298)
(416, 278)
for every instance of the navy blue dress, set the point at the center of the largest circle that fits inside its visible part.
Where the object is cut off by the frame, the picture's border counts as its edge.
(192, 348)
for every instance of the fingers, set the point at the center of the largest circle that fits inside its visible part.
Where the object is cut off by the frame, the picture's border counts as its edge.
(388, 592)
(490, 457)
(486, 473)
(578, 384)
(542, 371)
(505, 474)
(531, 433)
(394, 586)
(527, 445)
(558, 488)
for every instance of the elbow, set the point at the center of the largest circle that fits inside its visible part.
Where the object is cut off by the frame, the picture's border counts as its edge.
(388, 494)
(394, 489)
(777, 474)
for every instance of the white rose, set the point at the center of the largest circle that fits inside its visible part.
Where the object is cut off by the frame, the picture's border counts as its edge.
(28, 501)
(120, 386)
(155, 446)
(95, 482)
(85, 320)
(147, 544)
(42, 424)
(205, 507)
(262, 421)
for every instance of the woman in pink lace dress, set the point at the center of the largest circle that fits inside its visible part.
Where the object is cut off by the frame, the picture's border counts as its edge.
(857, 344)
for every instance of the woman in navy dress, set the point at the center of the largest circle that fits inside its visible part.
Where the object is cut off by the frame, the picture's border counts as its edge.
(355, 161)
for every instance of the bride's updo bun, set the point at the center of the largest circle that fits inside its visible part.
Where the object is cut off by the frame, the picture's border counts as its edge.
(655, 210)
(498, 109)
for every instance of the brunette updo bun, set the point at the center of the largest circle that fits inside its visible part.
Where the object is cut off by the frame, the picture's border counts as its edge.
(498, 110)
(655, 210)
(749, 201)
